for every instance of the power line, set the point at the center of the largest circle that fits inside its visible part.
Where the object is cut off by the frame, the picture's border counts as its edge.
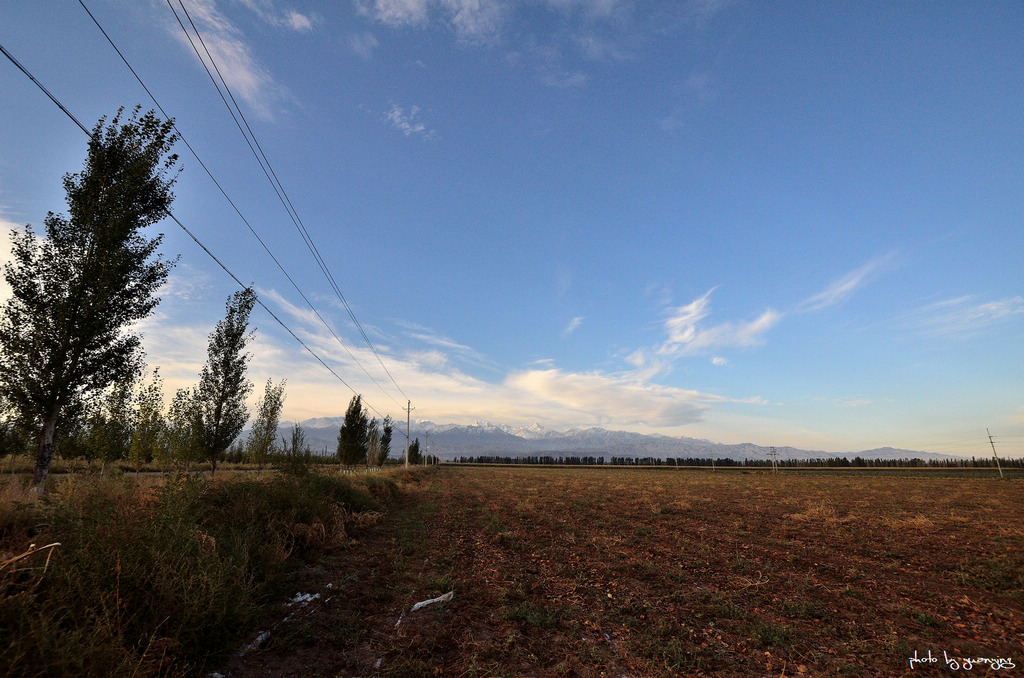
(185, 229)
(209, 173)
(45, 91)
(275, 182)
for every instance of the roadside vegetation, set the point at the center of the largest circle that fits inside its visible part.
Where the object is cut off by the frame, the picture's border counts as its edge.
(119, 576)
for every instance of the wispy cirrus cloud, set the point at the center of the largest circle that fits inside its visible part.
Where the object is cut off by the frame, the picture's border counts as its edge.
(287, 18)
(579, 32)
(845, 287)
(232, 54)
(407, 124)
(689, 334)
(572, 326)
(363, 44)
(474, 21)
(966, 316)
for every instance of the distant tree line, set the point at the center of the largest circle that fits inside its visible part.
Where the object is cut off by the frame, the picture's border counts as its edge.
(824, 462)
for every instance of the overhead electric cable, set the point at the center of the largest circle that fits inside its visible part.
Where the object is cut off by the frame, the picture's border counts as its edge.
(275, 182)
(187, 231)
(228, 198)
(44, 90)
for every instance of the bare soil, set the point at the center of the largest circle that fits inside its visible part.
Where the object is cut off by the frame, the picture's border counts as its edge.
(629, 572)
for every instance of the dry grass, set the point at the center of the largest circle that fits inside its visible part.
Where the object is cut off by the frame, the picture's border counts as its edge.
(154, 576)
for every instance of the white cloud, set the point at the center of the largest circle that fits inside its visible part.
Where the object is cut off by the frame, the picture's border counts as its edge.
(427, 368)
(571, 327)
(474, 21)
(687, 333)
(396, 12)
(265, 10)
(299, 22)
(592, 29)
(967, 315)
(186, 282)
(719, 361)
(363, 44)
(595, 398)
(843, 288)
(243, 73)
(407, 124)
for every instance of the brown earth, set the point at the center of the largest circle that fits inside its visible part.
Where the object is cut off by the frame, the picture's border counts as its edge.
(628, 572)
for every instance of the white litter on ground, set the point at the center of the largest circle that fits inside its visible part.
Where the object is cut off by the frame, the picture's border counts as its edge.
(302, 598)
(440, 599)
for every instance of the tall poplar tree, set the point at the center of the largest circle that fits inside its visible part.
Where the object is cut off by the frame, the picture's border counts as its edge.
(352, 437)
(223, 386)
(78, 289)
(264, 429)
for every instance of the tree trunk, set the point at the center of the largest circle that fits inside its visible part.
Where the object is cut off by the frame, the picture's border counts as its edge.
(45, 449)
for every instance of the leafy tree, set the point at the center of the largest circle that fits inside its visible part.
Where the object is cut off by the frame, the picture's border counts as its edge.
(110, 423)
(297, 454)
(184, 427)
(223, 387)
(297, 444)
(75, 292)
(264, 429)
(415, 458)
(352, 438)
(387, 429)
(373, 439)
(148, 439)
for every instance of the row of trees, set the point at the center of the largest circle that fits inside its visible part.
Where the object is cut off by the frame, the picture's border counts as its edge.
(69, 361)
(830, 462)
(362, 440)
(129, 420)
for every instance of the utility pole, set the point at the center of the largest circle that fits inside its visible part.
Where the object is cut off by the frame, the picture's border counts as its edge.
(773, 454)
(994, 455)
(408, 412)
(426, 447)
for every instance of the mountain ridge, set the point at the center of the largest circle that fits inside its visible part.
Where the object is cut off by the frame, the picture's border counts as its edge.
(451, 441)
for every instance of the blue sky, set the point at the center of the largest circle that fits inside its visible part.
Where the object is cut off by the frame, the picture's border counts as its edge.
(782, 223)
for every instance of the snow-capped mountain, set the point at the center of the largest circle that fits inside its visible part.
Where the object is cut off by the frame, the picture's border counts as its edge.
(450, 441)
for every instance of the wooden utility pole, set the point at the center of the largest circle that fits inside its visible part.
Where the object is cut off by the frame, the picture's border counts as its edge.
(408, 412)
(994, 455)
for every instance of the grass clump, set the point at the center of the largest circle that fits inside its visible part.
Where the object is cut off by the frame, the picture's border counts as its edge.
(153, 580)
